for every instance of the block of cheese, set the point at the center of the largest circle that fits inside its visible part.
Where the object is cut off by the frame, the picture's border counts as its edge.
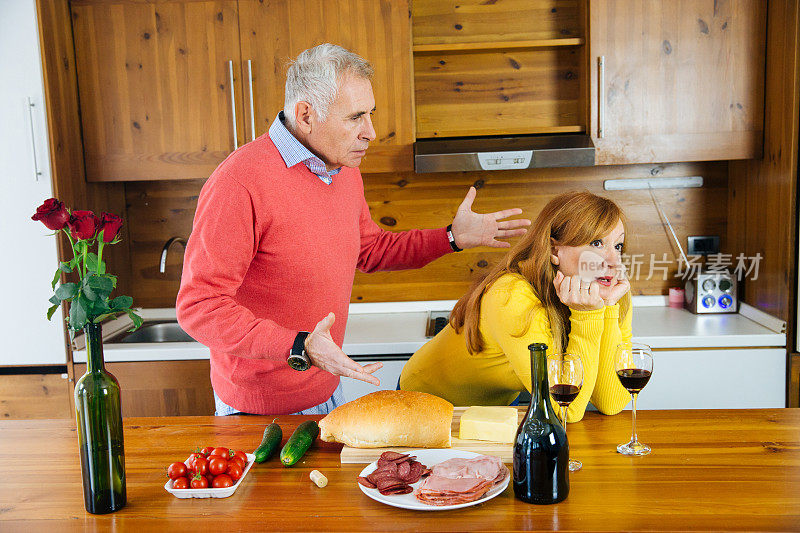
(495, 424)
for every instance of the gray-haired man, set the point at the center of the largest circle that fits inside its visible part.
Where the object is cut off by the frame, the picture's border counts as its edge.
(281, 226)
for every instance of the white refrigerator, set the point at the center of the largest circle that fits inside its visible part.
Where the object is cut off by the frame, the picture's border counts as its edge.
(29, 256)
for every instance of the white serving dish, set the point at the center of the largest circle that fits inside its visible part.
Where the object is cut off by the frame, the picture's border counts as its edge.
(429, 457)
(211, 492)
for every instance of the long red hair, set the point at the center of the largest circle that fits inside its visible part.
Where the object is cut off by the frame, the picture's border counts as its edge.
(573, 218)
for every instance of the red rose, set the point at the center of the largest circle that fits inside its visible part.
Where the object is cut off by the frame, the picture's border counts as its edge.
(110, 225)
(52, 213)
(82, 224)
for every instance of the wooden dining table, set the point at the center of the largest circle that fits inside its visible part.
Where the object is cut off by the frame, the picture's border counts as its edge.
(709, 470)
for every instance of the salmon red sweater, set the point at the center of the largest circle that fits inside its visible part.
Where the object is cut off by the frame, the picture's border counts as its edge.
(273, 250)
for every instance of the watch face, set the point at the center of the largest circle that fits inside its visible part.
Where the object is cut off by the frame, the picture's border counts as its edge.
(299, 362)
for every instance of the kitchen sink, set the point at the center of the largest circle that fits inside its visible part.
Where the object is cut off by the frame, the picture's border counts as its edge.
(154, 332)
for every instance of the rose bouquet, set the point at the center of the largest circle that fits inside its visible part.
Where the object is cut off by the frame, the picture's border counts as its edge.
(90, 296)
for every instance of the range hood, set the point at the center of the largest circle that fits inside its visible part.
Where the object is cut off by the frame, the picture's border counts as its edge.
(503, 153)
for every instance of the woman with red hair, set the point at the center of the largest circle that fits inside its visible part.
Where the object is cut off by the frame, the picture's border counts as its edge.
(563, 284)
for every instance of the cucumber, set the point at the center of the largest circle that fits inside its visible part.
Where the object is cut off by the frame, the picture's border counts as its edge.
(270, 442)
(299, 442)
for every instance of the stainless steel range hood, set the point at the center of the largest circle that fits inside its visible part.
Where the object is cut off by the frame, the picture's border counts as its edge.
(503, 153)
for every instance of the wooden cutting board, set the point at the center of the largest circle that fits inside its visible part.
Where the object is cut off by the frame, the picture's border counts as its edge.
(501, 450)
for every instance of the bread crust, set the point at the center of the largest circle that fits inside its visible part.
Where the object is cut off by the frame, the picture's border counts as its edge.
(390, 418)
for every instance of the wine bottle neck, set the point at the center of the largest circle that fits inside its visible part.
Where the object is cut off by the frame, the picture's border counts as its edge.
(540, 389)
(94, 347)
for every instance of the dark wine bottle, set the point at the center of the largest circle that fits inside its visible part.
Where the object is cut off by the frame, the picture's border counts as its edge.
(541, 450)
(99, 415)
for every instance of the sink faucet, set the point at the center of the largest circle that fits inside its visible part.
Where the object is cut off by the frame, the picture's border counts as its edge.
(163, 266)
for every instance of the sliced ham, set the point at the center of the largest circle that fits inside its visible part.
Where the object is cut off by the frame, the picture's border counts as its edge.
(485, 466)
(461, 480)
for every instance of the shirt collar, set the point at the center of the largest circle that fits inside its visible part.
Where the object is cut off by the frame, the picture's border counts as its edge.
(293, 151)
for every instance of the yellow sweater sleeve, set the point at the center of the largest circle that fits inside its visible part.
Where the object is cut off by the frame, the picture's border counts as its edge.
(509, 308)
(586, 331)
(609, 396)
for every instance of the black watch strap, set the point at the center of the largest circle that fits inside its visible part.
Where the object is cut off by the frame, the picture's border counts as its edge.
(452, 239)
(298, 359)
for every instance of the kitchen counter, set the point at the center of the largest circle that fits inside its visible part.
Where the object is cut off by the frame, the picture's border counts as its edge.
(399, 328)
(709, 470)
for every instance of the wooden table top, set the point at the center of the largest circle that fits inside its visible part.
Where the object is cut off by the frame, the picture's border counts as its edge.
(714, 469)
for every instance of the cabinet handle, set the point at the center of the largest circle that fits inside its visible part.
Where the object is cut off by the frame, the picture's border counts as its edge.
(233, 107)
(252, 112)
(601, 95)
(33, 139)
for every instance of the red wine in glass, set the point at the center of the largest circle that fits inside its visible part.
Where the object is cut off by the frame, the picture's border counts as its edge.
(564, 393)
(634, 379)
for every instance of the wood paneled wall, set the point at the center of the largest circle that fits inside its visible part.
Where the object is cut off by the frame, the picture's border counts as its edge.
(763, 192)
(159, 210)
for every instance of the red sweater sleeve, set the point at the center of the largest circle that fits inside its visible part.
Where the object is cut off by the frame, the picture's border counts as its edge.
(390, 250)
(218, 255)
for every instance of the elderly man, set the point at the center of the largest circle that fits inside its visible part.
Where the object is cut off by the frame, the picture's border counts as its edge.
(281, 225)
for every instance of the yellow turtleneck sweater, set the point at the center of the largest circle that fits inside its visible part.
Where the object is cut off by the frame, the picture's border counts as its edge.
(496, 375)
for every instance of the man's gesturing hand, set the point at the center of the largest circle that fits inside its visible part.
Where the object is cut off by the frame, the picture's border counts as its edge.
(472, 229)
(325, 354)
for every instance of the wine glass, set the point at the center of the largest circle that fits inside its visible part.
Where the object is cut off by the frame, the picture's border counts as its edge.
(565, 373)
(634, 366)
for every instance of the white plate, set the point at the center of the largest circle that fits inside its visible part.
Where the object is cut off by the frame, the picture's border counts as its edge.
(211, 492)
(429, 458)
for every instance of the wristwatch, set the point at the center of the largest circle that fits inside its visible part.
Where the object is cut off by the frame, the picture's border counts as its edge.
(298, 359)
(452, 239)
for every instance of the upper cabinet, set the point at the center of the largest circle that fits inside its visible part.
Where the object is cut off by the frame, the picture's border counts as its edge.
(157, 82)
(274, 32)
(498, 68)
(169, 88)
(678, 80)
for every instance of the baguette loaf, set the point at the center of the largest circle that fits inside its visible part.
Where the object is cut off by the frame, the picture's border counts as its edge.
(390, 418)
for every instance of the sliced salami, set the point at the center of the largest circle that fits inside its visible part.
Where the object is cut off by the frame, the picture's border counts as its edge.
(366, 482)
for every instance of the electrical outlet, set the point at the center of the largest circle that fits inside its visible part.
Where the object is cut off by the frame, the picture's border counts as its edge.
(703, 245)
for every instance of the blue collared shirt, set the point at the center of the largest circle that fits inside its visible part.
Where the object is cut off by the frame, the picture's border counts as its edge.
(292, 151)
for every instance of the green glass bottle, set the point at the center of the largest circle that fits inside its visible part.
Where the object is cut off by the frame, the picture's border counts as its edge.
(99, 414)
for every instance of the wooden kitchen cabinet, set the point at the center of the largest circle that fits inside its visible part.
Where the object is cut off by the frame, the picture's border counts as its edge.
(25, 396)
(499, 68)
(162, 388)
(154, 86)
(169, 88)
(680, 80)
(272, 33)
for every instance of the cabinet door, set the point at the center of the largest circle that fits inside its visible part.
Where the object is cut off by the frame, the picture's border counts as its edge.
(378, 30)
(716, 379)
(155, 90)
(162, 388)
(30, 255)
(682, 80)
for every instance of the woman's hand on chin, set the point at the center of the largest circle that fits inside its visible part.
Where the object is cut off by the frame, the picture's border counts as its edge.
(618, 291)
(578, 295)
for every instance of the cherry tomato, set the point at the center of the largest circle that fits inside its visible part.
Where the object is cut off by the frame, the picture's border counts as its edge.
(190, 462)
(242, 456)
(199, 482)
(180, 483)
(238, 461)
(217, 465)
(234, 470)
(176, 470)
(222, 481)
(207, 450)
(201, 466)
(226, 453)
